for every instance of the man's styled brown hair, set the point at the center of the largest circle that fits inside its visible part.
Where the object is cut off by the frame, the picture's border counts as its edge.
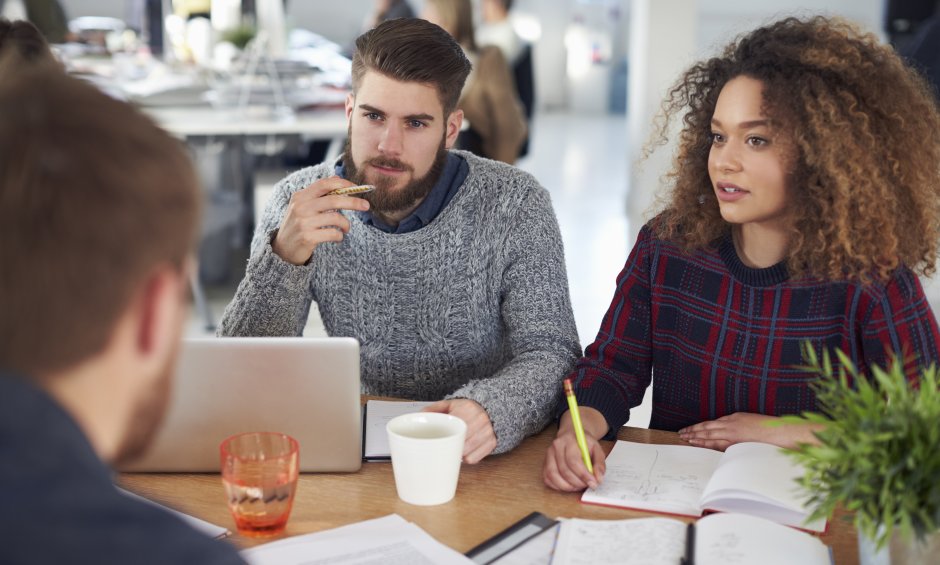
(413, 50)
(93, 198)
(24, 38)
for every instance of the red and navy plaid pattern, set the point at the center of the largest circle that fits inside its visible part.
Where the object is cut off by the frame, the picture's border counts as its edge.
(718, 337)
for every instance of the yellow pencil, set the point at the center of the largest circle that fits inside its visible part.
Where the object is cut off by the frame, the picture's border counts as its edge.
(578, 428)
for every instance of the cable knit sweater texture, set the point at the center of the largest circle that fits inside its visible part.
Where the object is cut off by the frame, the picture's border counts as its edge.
(475, 305)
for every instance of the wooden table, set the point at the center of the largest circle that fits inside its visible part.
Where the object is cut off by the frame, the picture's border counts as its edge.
(490, 496)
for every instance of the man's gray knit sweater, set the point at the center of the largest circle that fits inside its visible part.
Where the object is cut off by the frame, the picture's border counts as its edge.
(474, 305)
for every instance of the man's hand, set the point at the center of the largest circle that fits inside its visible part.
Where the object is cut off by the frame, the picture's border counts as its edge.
(564, 467)
(312, 218)
(481, 439)
(744, 426)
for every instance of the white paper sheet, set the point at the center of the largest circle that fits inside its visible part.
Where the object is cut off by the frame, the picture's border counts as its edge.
(390, 540)
(207, 528)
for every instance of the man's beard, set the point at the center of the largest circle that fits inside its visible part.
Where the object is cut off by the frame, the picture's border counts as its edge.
(385, 200)
(149, 410)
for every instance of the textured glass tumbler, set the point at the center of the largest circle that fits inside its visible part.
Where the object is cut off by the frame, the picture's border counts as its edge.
(259, 472)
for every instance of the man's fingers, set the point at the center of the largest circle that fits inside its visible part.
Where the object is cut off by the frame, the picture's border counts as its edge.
(442, 406)
(472, 441)
(481, 451)
(329, 220)
(480, 441)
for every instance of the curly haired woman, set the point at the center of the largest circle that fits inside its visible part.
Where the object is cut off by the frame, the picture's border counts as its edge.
(805, 199)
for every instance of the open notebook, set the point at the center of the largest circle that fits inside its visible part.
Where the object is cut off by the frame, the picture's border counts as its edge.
(751, 478)
(717, 539)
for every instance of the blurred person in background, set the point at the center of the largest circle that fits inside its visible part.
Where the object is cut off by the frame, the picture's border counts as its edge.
(497, 29)
(489, 100)
(387, 10)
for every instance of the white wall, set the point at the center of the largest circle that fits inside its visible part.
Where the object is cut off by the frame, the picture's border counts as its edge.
(337, 21)
(110, 8)
(721, 20)
(717, 23)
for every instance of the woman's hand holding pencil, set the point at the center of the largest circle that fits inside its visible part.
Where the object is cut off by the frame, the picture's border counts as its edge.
(565, 465)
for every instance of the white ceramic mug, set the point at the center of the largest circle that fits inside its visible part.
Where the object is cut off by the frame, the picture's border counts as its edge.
(426, 449)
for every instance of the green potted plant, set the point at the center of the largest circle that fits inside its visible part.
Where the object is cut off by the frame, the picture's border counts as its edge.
(878, 455)
(239, 36)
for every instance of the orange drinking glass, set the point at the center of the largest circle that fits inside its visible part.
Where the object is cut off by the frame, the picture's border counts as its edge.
(259, 472)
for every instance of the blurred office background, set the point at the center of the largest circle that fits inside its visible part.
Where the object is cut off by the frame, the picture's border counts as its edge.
(599, 69)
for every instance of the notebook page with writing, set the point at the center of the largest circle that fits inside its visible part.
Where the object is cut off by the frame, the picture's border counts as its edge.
(646, 541)
(760, 479)
(735, 538)
(662, 478)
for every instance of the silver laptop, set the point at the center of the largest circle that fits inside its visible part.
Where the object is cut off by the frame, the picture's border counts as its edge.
(307, 388)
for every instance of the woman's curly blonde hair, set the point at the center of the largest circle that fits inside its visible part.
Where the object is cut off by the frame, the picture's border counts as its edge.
(865, 130)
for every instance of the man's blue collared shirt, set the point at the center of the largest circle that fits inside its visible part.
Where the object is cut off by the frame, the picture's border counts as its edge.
(452, 177)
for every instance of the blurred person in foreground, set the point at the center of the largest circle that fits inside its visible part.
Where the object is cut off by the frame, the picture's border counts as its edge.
(98, 218)
(451, 274)
(25, 40)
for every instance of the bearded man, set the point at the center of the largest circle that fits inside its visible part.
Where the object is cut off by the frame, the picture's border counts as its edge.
(451, 274)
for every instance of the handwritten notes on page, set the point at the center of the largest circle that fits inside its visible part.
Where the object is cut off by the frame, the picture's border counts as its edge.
(390, 540)
(737, 538)
(646, 541)
(720, 539)
(663, 478)
(751, 478)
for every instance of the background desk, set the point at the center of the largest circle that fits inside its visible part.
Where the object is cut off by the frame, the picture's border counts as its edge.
(226, 145)
(186, 122)
(490, 496)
